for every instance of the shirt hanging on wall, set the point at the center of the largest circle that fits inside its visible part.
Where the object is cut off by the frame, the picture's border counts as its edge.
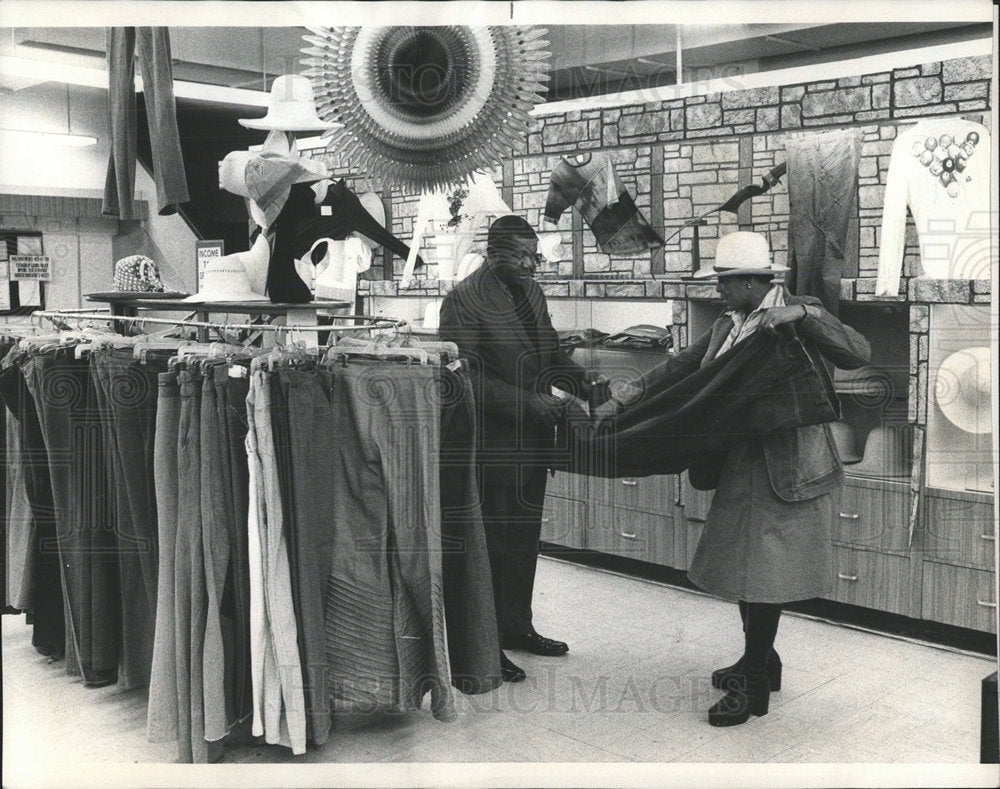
(453, 218)
(941, 169)
(590, 183)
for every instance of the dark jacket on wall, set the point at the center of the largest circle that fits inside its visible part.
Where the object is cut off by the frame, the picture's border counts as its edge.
(506, 367)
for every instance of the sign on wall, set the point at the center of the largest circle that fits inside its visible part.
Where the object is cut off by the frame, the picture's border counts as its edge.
(37, 268)
(24, 268)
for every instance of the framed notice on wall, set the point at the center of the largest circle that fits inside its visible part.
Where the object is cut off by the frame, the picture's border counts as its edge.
(24, 270)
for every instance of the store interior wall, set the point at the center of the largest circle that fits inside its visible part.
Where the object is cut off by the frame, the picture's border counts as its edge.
(83, 250)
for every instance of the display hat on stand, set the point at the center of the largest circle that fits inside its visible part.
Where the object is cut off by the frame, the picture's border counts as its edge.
(551, 246)
(962, 389)
(742, 254)
(137, 274)
(266, 179)
(888, 453)
(291, 107)
(226, 279)
(845, 441)
(256, 262)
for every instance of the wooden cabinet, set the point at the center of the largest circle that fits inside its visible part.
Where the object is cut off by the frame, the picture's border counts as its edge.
(871, 579)
(567, 486)
(631, 533)
(648, 494)
(959, 531)
(564, 522)
(873, 514)
(960, 596)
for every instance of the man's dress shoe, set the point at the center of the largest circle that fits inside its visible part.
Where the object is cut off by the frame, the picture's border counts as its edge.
(509, 671)
(536, 644)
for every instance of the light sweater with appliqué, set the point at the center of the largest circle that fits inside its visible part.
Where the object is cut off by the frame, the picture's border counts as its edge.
(941, 169)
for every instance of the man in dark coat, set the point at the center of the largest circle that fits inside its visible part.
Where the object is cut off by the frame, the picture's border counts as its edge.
(499, 319)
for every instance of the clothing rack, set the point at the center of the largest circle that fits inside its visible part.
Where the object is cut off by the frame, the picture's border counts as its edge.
(371, 323)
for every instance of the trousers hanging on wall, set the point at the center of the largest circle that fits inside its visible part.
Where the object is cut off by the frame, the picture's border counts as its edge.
(823, 210)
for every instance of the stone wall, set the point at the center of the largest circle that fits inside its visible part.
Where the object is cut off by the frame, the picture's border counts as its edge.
(680, 158)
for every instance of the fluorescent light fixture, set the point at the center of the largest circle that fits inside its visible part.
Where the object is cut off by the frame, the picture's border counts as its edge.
(217, 93)
(47, 71)
(47, 138)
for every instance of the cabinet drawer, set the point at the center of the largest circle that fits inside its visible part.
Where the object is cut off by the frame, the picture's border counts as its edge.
(567, 486)
(694, 529)
(631, 533)
(564, 522)
(873, 580)
(874, 519)
(959, 596)
(649, 494)
(960, 531)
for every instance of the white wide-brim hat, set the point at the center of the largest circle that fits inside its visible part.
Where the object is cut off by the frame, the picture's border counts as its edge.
(551, 246)
(291, 107)
(226, 278)
(888, 453)
(845, 441)
(962, 389)
(742, 254)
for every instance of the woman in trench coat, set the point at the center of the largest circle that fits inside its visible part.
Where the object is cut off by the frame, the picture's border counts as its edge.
(766, 539)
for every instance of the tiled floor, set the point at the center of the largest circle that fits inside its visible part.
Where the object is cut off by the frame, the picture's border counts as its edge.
(634, 687)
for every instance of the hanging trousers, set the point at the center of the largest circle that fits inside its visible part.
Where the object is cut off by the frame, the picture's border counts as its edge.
(42, 586)
(232, 396)
(130, 388)
(386, 639)
(163, 707)
(152, 44)
(217, 652)
(309, 424)
(190, 595)
(281, 432)
(473, 642)
(822, 197)
(66, 400)
(277, 583)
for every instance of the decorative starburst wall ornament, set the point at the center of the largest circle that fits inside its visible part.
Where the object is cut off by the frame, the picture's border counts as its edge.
(424, 107)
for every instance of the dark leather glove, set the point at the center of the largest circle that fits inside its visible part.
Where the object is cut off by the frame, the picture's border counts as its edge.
(545, 408)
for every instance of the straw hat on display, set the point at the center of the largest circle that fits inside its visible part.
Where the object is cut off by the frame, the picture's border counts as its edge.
(742, 254)
(291, 107)
(888, 453)
(266, 179)
(962, 389)
(226, 278)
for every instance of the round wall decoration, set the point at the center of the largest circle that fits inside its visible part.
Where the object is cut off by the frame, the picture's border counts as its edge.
(425, 107)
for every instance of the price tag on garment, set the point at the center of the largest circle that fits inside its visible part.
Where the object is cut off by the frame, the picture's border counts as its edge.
(455, 365)
(37, 268)
(236, 371)
(326, 210)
